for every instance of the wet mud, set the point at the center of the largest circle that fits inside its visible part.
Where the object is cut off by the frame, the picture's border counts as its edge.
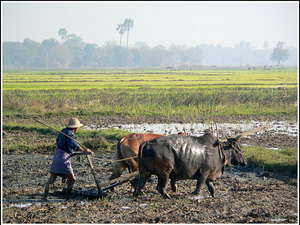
(243, 195)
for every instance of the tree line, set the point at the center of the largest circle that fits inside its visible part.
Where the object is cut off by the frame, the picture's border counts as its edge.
(73, 52)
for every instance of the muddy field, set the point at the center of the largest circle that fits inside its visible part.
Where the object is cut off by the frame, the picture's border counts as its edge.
(242, 195)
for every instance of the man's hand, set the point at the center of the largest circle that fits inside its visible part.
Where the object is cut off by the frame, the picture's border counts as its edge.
(88, 151)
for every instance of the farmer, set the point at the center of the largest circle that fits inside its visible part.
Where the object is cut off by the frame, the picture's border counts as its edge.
(61, 165)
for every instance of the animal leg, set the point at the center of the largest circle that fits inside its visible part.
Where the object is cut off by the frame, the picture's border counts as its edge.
(162, 183)
(143, 177)
(134, 182)
(117, 172)
(211, 188)
(118, 169)
(200, 182)
(173, 185)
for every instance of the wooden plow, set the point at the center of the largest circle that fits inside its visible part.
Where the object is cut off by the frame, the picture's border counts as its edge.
(105, 186)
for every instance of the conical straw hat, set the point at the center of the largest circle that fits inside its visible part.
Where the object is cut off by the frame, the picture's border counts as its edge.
(74, 123)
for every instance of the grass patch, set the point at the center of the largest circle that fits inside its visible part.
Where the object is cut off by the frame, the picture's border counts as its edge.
(151, 102)
(29, 128)
(101, 140)
(28, 138)
(281, 161)
(29, 149)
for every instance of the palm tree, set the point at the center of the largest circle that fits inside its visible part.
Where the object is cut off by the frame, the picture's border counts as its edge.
(62, 33)
(128, 24)
(121, 29)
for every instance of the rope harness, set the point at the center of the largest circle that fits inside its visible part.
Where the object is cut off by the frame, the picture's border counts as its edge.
(221, 151)
(114, 160)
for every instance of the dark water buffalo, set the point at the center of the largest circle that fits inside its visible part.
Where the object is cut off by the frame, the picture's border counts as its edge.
(178, 157)
(128, 149)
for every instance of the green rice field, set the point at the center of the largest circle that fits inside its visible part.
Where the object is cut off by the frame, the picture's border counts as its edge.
(151, 93)
(41, 80)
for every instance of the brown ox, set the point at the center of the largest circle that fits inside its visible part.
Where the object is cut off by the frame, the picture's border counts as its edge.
(128, 147)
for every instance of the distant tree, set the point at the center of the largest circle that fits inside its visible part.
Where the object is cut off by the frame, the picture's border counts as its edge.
(121, 57)
(62, 33)
(31, 48)
(47, 45)
(74, 41)
(280, 53)
(14, 54)
(128, 24)
(121, 29)
(90, 55)
(141, 45)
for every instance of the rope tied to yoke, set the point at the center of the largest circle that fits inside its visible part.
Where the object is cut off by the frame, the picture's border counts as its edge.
(220, 147)
(114, 160)
(222, 155)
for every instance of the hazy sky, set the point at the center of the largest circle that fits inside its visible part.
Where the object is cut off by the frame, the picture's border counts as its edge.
(155, 23)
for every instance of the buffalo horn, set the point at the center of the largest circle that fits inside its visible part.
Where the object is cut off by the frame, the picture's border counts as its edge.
(251, 131)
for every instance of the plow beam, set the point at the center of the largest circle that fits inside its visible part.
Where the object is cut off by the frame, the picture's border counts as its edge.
(119, 180)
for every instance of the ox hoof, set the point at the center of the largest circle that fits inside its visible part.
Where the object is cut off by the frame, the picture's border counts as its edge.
(174, 188)
(167, 197)
(195, 193)
(135, 194)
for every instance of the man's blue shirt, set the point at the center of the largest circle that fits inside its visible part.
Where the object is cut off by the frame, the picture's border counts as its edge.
(66, 144)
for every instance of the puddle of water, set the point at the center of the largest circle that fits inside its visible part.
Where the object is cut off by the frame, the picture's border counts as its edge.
(23, 205)
(125, 207)
(197, 129)
(29, 202)
(142, 205)
(198, 197)
(273, 148)
(278, 220)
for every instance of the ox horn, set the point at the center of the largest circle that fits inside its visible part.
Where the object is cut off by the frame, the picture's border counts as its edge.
(250, 132)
